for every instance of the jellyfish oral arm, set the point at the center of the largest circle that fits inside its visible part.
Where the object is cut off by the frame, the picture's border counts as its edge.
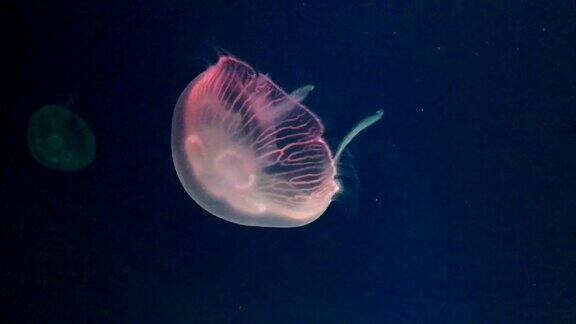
(362, 125)
(301, 93)
(285, 106)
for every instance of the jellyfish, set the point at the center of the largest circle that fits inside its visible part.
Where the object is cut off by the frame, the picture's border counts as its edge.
(59, 139)
(252, 154)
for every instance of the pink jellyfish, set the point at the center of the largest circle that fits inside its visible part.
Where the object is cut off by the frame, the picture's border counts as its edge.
(248, 152)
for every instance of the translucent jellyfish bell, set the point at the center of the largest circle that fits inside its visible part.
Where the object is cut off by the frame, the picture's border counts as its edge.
(248, 152)
(60, 139)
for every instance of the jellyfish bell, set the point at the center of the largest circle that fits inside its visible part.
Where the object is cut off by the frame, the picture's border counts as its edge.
(60, 139)
(250, 153)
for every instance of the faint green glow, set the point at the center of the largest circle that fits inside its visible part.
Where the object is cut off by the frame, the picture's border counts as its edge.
(60, 140)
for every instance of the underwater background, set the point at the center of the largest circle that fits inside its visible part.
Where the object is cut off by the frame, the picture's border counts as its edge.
(458, 206)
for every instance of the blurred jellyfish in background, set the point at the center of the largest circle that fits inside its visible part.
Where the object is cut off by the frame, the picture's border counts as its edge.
(60, 140)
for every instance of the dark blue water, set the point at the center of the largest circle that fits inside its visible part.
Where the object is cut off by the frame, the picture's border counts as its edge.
(463, 211)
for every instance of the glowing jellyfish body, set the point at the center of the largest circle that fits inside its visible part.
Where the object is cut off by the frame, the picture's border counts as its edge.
(248, 152)
(60, 139)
